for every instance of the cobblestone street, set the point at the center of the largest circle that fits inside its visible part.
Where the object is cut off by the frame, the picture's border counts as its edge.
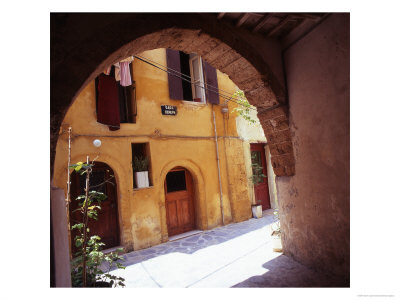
(235, 255)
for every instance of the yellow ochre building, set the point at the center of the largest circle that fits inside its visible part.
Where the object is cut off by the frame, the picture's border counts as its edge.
(198, 152)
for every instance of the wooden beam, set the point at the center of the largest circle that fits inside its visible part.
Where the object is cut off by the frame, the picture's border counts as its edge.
(306, 16)
(242, 19)
(262, 22)
(279, 26)
(221, 15)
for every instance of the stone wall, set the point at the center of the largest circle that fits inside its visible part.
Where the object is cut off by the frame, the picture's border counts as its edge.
(315, 203)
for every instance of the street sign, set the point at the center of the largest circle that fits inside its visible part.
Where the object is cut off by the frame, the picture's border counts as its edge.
(169, 110)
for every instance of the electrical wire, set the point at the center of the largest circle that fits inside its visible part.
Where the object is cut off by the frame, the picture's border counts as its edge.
(216, 89)
(175, 73)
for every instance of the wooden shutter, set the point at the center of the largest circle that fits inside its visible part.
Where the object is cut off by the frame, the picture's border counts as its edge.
(174, 82)
(211, 82)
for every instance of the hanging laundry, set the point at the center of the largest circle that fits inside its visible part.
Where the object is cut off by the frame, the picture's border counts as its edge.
(125, 73)
(107, 71)
(108, 102)
(124, 94)
(128, 59)
(117, 72)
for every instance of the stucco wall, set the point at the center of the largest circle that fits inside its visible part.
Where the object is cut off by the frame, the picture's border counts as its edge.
(314, 204)
(186, 139)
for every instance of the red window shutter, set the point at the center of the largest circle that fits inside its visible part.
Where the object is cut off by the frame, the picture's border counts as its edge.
(108, 102)
(211, 81)
(174, 82)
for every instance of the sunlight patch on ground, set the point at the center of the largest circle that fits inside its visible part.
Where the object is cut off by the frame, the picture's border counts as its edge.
(220, 265)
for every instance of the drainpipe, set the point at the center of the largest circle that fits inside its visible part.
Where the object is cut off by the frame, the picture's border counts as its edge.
(68, 200)
(219, 170)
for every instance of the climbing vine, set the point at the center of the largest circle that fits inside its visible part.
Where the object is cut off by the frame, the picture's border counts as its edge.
(244, 107)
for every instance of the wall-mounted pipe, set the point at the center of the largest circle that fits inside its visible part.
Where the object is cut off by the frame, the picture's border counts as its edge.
(219, 169)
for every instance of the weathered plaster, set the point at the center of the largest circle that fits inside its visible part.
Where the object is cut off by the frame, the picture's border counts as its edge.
(186, 139)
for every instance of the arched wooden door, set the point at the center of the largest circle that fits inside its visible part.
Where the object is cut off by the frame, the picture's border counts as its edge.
(106, 226)
(179, 201)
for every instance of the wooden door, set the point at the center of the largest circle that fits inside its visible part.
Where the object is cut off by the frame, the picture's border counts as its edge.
(261, 190)
(179, 201)
(106, 226)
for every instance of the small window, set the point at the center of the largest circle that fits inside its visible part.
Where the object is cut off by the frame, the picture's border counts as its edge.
(176, 181)
(141, 162)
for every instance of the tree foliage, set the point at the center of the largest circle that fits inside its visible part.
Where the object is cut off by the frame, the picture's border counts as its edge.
(89, 262)
(244, 107)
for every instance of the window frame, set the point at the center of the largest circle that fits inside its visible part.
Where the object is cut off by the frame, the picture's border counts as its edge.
(200, 77)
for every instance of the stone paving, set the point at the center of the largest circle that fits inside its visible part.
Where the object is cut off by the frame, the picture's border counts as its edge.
(235, 255)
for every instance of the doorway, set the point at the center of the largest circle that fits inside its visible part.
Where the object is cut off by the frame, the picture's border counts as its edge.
(107, 226)
(179, 200)
(261, 190)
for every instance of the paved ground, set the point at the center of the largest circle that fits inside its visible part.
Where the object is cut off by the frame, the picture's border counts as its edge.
(236, 255)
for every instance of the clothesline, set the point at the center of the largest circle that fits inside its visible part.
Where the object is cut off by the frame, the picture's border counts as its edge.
(180, 75)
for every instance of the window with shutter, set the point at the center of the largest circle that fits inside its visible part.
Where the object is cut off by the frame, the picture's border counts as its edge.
(204, 84)
(196, 74)
(174, 80)
(210, 74)
(115, 103)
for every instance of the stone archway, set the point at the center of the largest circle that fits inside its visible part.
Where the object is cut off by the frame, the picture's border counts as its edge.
(82, 45)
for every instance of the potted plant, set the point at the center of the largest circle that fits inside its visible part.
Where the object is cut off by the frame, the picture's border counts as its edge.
(257, 209)
(140, 166)
(276, 233)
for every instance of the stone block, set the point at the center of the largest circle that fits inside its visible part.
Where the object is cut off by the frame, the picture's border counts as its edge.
(208, 46)
(226, 59)
(278, 137)
(283, 160)
(273, 113)
(281, 148)
(279, 123)
(211, 56)
(251, 83)
(197, 42)
(237, 66)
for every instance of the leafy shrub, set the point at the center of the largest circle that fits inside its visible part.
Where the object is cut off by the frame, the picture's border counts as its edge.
(86, 267)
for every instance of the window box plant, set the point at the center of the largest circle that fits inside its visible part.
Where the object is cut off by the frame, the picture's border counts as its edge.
(140, 165)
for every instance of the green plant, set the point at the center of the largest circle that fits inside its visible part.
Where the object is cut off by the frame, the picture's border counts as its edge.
(140, 163)
(276, 226)
(243, 109)
(258, 175)
(86, 267)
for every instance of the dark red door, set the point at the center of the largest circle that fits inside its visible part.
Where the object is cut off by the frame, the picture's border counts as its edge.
(107, 224)
(261, 190)
(179, 201)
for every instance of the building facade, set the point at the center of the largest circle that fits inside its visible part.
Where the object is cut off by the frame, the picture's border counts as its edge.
(199, 152)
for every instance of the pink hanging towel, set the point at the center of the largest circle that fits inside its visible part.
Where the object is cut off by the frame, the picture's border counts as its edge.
(125, 73)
